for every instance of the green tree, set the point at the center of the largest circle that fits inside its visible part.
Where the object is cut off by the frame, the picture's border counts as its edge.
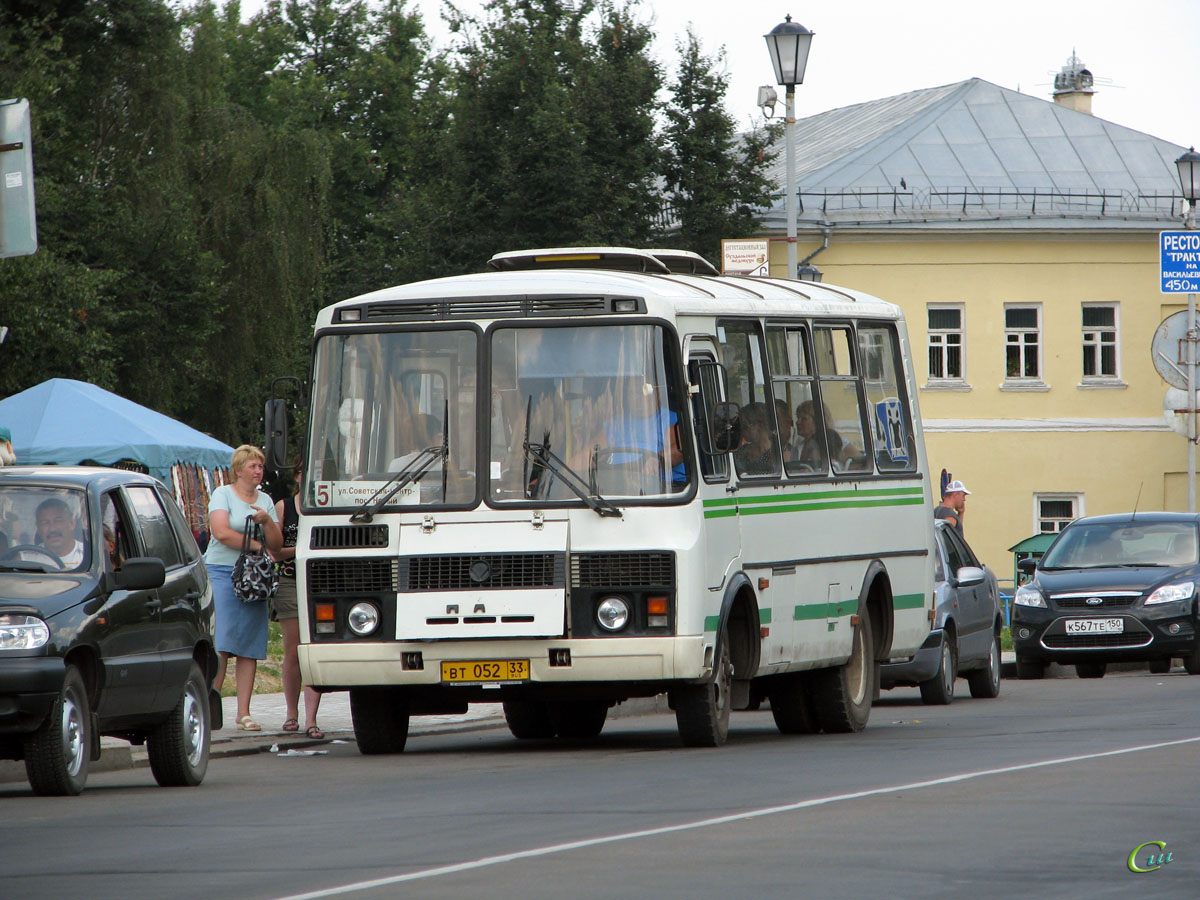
(716, 179)
(553, 118)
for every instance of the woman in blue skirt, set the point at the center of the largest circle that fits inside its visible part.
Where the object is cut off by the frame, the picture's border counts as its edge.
(241, 627)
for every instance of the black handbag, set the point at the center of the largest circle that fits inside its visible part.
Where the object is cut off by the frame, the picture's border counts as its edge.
(255, 579)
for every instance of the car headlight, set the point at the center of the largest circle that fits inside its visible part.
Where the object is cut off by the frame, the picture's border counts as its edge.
(363, 618)
(1029, 596)
(1169, 592)
(23, 633)
(612, 613)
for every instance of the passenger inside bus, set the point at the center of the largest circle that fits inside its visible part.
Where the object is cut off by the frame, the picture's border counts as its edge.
(757, 454)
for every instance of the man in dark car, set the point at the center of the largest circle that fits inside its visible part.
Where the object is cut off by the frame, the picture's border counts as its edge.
(56, 532)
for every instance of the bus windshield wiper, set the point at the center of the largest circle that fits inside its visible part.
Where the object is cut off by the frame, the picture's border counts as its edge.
(413, 471)
(541, 455)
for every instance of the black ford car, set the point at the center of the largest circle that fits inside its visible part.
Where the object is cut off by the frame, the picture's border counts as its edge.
(106, 626)
(1119, 588)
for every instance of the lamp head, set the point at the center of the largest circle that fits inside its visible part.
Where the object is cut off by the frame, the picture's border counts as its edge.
(789, 43)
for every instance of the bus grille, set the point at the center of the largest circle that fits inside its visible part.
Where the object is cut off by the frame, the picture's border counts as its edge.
(481, 571)
(614, 570)
(352, 576)
(346, 537)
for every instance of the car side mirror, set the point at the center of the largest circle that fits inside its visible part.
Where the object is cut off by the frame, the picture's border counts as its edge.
(726, 427)
(1027, 566)
(968, 576)
(140, 573)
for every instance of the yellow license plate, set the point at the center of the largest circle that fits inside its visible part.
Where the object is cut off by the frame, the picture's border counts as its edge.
(485, 671)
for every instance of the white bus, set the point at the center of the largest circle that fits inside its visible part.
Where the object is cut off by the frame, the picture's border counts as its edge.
(591, 475)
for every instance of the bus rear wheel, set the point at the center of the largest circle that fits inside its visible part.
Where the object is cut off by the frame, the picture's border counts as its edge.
(791, 706)
(702, 710)
(842, 695)
(380, 717)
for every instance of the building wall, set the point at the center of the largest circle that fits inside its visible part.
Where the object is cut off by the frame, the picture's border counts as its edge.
(1106, 442)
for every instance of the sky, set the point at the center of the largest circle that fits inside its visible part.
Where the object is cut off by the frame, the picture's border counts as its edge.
(868, 49)
(1145, 55)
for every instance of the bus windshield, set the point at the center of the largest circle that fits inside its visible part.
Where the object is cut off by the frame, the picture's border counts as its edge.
(600, 399)
(380, 400)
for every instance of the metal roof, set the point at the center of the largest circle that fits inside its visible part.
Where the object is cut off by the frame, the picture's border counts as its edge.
(971, 153)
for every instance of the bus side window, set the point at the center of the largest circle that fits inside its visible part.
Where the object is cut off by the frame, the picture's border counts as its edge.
(887, 405)
(706, 373)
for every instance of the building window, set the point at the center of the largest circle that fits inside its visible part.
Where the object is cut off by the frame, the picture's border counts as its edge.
(1023, 343)
(945, 342)
(1053, 512)
(1100, 341)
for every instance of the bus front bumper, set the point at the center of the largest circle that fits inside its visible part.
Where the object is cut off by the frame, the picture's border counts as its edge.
(644, 659)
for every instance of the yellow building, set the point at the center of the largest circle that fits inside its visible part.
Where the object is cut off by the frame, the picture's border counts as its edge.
(1020, 236)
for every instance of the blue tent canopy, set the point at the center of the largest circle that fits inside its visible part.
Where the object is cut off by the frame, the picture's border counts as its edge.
(66, 422)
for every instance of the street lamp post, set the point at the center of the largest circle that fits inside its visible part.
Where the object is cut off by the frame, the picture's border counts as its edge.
(1189, 181)
(789, 43)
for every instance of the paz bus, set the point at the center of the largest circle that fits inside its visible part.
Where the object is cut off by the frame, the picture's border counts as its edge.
(596, 474)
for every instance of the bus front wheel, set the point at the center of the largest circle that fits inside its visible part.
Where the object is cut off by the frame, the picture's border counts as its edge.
(380, 717)
(702, 710)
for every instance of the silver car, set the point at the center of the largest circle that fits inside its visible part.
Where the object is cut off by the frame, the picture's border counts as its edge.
(965, 639)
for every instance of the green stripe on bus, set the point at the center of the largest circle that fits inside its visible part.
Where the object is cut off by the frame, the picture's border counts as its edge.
(836, 504)
(764, 616)
(711, 623)
(811, 611)
(908, 601)
(792, 496)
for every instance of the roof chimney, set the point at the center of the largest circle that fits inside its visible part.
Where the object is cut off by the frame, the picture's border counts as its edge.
(1073, 86)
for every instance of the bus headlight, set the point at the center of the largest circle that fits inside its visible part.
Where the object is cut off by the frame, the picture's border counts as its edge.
(23, 633)
(613, 613)
(363, 618)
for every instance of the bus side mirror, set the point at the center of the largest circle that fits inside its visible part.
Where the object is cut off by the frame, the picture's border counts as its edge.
(726, 427)
(275, 417)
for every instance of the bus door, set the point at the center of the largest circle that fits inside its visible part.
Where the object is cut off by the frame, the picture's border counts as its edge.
(720, 546)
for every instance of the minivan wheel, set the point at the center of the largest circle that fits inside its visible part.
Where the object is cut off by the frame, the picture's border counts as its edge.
(58, 753)
(939, 690)
(1091, 670)
(985, 682)
(1029, 668)
(178, 748)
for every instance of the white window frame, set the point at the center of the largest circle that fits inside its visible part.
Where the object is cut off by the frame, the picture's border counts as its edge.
(1076, 501)
(1096, 346)
(936, 337)
(1025, 382)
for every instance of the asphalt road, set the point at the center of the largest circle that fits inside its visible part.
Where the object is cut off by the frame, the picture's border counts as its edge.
(1043, 792)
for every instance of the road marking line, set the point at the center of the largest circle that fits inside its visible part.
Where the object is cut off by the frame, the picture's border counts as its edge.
(486, 861)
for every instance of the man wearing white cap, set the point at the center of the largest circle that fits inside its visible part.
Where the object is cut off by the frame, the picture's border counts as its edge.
(954, 505)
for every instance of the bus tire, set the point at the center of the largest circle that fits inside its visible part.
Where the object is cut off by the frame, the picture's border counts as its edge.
(842, 695)
(580, 719)
(380, 717)
(702, 710)
(791, 706)
(528, 720)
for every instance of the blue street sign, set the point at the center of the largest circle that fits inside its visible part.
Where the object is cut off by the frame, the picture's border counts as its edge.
(1179, 252)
